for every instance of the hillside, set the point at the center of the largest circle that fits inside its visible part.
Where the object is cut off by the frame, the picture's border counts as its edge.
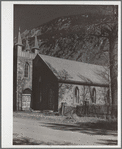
(64, 37)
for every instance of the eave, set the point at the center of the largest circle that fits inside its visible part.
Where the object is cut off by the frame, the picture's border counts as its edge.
(82, 83)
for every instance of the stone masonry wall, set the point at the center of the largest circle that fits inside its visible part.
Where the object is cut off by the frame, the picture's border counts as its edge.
(22, 82)
(67, 94)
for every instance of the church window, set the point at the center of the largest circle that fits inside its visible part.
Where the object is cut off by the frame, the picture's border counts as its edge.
(77, 94)
(108, 99)
(94, 95)
(26, 71)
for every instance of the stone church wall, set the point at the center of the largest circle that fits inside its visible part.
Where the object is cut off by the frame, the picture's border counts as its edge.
(67, 94)
(23, 82)
(66, 91)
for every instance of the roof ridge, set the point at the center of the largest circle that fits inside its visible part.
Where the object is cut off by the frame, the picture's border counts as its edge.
(72, 60)
(69, 70)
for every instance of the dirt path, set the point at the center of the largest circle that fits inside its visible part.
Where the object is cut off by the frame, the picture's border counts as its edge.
(31, 131)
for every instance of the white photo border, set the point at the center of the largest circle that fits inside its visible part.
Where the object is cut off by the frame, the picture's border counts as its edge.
(7, 70)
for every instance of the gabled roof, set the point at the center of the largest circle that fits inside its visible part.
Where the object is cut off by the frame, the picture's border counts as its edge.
(70, 71)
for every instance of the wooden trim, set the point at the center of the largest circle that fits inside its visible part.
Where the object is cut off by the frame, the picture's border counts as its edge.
(82, 83)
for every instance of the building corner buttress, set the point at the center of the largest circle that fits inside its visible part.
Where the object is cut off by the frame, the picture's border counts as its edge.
(17, 51)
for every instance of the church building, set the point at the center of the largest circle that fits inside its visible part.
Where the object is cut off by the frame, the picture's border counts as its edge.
(22, 73)
(44, 82)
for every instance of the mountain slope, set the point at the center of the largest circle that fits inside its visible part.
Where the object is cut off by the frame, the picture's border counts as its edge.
(64, 37)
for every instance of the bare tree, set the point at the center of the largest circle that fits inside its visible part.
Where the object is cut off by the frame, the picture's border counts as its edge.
(105, 32)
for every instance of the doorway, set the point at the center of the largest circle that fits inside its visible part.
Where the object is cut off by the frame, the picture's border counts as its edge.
(26, 99)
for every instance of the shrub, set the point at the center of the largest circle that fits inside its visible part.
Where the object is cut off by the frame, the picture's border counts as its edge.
(96, 110)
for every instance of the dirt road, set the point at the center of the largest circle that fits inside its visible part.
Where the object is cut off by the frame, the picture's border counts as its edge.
(37, 132)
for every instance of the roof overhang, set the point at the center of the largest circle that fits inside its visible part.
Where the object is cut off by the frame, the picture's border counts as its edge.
(78, 73)
(82, 83)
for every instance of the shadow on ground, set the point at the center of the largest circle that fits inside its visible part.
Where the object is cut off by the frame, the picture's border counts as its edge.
(107, 142)
(24, 141)
(29, 141)
(99, 128)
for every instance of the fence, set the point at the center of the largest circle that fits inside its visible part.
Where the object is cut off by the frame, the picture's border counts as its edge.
(91, 110)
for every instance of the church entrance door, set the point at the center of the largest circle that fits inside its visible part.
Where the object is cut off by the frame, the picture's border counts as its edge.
(26, 99)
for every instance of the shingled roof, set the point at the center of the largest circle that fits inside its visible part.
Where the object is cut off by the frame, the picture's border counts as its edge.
(70, 71)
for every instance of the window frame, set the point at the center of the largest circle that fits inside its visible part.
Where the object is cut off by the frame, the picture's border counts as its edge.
(26, 70)
(93, 95)
(108, 96)
(77, 94)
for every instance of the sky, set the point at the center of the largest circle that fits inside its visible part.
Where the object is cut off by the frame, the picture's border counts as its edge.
(30, 16)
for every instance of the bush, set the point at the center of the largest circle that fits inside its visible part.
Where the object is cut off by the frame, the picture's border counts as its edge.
(96, 110)
(102, 111)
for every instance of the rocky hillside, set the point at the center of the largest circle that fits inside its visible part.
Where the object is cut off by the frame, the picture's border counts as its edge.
(64, 37)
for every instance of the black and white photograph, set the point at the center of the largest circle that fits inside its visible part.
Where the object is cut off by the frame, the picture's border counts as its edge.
(65, 74)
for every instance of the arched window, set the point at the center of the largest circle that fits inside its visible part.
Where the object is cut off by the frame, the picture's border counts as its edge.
(107, 96)
(77, 94)
(27, 91)
(94, 95)
(26, 71)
